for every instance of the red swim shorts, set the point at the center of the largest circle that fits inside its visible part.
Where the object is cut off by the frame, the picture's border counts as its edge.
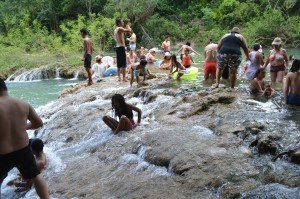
(210, 68)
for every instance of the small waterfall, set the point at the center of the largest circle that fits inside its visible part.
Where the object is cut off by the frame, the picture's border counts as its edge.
(36, 74)
(76, 74)
(57, 76)
(10, 77)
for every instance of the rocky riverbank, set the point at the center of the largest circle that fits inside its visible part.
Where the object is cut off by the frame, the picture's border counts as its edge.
(192, 143)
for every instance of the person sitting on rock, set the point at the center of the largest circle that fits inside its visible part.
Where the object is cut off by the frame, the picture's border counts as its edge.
(22, 184)
(124, 111)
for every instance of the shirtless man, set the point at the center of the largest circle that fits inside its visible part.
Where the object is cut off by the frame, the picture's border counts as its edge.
(132, 40)
(166, 46)
(87, 54)
(210, 65)
(187, 45)
(120, 48)
(14, 143)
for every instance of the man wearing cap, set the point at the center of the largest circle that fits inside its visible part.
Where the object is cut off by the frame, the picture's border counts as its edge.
(120, 48)
(166, 64)
(150, 56)
(278, 60)
(14, 142)
(229, 55)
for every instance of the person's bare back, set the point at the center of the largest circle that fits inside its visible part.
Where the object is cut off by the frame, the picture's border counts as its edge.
(211, 52)
(13, 123)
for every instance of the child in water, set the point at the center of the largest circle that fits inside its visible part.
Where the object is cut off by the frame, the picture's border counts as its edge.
(124, 111)
(20, 183)
(187, 58)
(178, 67)
(137, 68)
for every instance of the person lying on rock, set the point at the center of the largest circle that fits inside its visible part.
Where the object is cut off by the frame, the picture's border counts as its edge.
(124, 111)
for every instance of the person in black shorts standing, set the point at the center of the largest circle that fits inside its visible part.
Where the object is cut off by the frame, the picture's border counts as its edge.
(120, 48)
(87, 54)
(14, 142)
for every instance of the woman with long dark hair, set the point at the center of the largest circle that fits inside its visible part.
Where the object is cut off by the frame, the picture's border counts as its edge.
(179, 68)
(124, 111)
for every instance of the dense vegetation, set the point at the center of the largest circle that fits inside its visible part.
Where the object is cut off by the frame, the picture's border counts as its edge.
(52, 26)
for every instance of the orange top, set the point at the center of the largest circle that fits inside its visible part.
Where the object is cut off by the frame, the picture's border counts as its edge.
(186, 60)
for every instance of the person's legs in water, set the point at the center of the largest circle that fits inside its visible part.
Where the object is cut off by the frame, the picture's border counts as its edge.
(110, 122)
(232, 76)
(40, 186)
(218, 77)
(124, 125)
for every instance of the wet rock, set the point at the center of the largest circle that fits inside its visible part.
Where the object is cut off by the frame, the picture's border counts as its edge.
(265, 145)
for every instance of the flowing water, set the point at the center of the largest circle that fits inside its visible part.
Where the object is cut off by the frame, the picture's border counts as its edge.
(280, 119)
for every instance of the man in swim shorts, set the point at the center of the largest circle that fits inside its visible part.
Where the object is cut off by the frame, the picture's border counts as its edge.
(210, 65)
(87, 54)
(120, 48)
(14, 141)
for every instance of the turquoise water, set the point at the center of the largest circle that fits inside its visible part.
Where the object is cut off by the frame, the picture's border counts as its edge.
(39, 93)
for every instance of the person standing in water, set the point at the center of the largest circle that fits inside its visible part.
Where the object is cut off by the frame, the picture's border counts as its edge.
(120, 48)
(14, 142)
(278, 61)
(87, 54)
(210, 64)
(132, 40)
(229, 55)
(291, 88)
(179, 68)
(166, 46)
(257, 61)
(187, 45)
(124, 111)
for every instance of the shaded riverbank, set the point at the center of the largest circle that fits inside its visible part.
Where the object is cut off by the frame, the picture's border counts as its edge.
(193, 142)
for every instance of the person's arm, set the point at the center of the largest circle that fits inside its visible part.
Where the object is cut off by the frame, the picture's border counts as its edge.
(124, 30)
(286, 59)
(260, 59)
(286, 88)
(245, 48)
(267, 61)
(192, 59)
(180, 49)
(85, 47)
(191, 49)
(41, 162)
(136, 109)
(34, 120)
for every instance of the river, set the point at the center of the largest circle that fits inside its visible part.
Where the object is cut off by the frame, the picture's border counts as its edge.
(73, 126)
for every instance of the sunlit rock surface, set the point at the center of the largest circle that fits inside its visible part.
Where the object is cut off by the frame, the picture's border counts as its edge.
(189, 145)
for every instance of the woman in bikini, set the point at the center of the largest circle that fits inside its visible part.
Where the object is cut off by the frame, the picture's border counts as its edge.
(124, 111)
(278, 61)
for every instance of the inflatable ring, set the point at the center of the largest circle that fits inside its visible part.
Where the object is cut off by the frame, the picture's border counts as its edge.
(110, 71)
(191, 73)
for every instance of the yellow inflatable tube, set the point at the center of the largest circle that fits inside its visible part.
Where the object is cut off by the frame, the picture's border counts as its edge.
(191, 73)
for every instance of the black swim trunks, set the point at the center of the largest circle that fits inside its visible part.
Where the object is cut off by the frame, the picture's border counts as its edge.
(23, 159)
(88, 61)
(121, 57)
